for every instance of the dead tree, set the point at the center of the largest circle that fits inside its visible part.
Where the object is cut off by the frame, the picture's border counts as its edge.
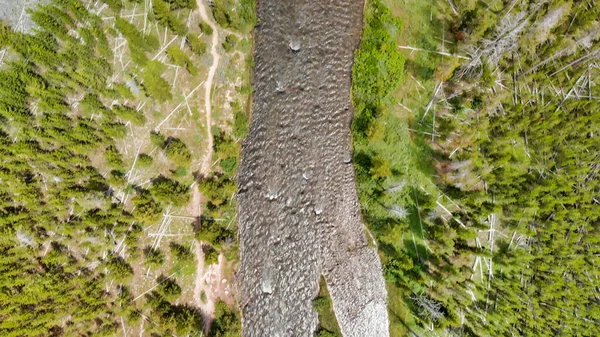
(491, 51)
(428, 307)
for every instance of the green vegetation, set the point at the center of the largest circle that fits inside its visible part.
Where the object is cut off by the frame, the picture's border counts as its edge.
(227, 323)
(119, 269)
(144, 160)
(168, 288)
(179, 58)
(180, 252)
(84, 192)
(154, 258)
(243, 18)
(328, 325)
(217, 226)
(138, 43)
(196, 44)
(157, 139)
(211, 255)
(179, 319)
(240, 125)
(213, 233)
(206, 28)
(178, 152)
(154, 85)
(475, 160)
(164, 14)
(169, 191)
(180, 172)
(229, 43)
(146, 208)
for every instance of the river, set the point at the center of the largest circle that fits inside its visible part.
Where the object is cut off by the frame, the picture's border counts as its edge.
(298, 209)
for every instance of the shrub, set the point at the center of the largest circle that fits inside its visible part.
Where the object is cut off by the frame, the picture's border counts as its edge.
(378, 55)
(180, 171)
(144, 160)
(243, 18)
(154, 85)
(178, 152)
(168, 288)
(146, 208)
(157, 139)
(229, 43)
(325, 333)
(181, 253)
(211, 255)
(113, 157)
(196, 44)
(118, 269)
(169, 191)
(154, 257)
(206, 28)
(5, 33)
(229, 165)
(240, 125)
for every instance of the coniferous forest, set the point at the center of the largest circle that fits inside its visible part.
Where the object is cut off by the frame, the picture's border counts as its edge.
(103, 142)
(477, 152)
(476, 149)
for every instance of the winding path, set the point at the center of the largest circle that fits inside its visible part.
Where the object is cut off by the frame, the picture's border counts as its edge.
(201, 270)
(209, 83)
(207, 308)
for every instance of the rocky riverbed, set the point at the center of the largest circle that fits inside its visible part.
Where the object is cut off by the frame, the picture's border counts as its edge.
(298, 209)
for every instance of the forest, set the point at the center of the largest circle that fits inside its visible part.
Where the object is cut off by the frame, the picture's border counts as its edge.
(475, 143)
(102, 140)
(476, 154)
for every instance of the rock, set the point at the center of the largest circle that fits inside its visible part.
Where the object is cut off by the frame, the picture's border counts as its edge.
(294, 45)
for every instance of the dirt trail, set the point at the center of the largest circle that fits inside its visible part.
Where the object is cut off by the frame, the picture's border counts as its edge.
(209, 82)
(207, 308)
(210, 280)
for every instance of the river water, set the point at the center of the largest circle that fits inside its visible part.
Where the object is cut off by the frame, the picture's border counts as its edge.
(298, 209)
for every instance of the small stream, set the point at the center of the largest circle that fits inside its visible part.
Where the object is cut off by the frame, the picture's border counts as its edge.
(298, 209)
